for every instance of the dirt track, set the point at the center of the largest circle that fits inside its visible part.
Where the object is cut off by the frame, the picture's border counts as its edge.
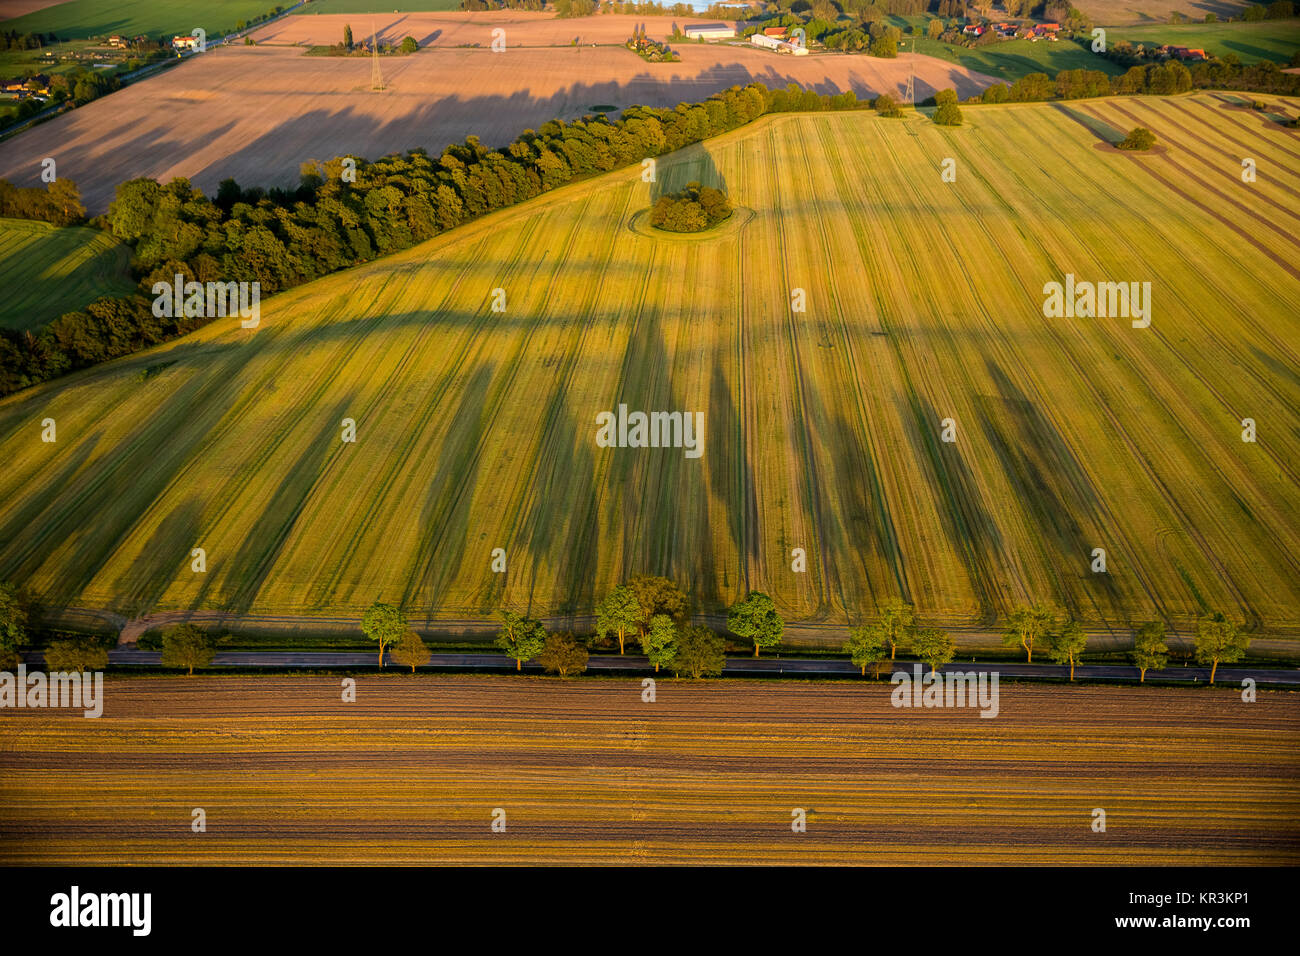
(257, 113)
(588, 772)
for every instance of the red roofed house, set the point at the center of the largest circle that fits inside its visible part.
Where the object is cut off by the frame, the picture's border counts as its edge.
(774, 32)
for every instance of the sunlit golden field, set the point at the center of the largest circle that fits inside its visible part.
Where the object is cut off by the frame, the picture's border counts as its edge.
(476, 430)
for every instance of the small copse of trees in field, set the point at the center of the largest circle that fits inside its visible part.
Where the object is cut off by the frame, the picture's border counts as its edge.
(1139, 138)
(694, 209)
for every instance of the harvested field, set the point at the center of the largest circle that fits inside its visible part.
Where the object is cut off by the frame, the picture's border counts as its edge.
(257, 113)
(1108, 12)
(46, 272)
(476, 430)
(589, 773)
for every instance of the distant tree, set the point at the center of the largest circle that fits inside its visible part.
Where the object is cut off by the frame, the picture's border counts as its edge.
(1211, 18)
(521, 638)
(700, 653)
(13, 618)
(347, 36)
(934, 29)
(75, 655)
(563, 655)
(1068, 644)
(1254, 12)
(660, 642)
(619, 614)
(1219, 642)
(949, 114)
(1150, 652)
(898, 620)
(656, 595)
(1139, 138)
(410, 651)
(945, 96)
(1027, 624)
(886, 105)
(884, 46)
(866, 645)
(184, 645)
(934, 647)
(384, 624)
(410, 44)
(756, 619)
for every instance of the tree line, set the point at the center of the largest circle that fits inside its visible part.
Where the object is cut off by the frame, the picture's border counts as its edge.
(656, 614)
(347, 211)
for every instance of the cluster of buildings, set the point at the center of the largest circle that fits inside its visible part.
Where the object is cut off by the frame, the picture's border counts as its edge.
(1182, 52)
(1007, 31)
(37, 87)
(185, 43)
(775, 39)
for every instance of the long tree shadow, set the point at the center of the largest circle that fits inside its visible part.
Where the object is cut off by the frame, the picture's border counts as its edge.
(143, 582)
(252, 564)
(444, 518)
(1053, 488)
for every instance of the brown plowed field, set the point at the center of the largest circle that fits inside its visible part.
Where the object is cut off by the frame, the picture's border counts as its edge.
(257, 113)
(587, 772)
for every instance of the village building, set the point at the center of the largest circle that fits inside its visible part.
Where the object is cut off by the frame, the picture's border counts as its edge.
(709, 31)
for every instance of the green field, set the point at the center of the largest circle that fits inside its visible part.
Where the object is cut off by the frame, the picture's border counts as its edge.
(476, 430)
(47, 271)
(1273, 40)
(1009, 60)
(82, 19)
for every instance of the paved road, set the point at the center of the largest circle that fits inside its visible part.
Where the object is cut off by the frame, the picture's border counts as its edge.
(736, 666)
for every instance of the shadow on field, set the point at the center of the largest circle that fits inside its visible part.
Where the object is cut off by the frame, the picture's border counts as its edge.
(444, 519)
(1102, 130)
(692, 164)
(145, 580)
(970, 529)
(244, 574)
(1055, 491)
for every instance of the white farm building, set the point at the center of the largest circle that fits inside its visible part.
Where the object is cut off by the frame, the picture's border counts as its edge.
(780, 46)
(709, 31)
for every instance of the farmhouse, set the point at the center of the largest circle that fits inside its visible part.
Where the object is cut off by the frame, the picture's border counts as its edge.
(973, 30)
(778, 46)
(709, 31)
(1048, 30)
(185, 43)
(774, 31)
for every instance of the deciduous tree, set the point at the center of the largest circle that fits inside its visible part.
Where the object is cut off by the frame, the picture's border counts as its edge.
(934, 647)
(700, 653)
(384, 624)
(521, 638)
(756, 619)
(1026, 624)
(660, 643)
(410, 651)
(75, 655)
(1068, 645)
(618, 614)
(866, 645)
(563, 655)
(1219, 642)
(1150, 652)
(184, 645)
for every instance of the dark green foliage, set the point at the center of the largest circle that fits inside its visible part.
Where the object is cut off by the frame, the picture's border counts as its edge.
(885, 105)
(948, 114)
(694, 209)
(58, 202)
(1140, 138)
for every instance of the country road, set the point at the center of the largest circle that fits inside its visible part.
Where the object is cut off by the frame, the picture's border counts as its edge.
(798, 634)
(735, 667)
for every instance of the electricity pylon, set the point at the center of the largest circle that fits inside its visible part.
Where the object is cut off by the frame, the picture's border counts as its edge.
(376, 79)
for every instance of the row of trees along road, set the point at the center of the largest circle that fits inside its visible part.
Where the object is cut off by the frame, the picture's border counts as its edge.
(655, 612)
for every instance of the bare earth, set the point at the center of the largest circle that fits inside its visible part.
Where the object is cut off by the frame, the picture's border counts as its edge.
(586, 771)
(257, 113)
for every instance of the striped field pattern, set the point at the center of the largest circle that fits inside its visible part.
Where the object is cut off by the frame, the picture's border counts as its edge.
(476, 430)
(587, 772)
(46, 272)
